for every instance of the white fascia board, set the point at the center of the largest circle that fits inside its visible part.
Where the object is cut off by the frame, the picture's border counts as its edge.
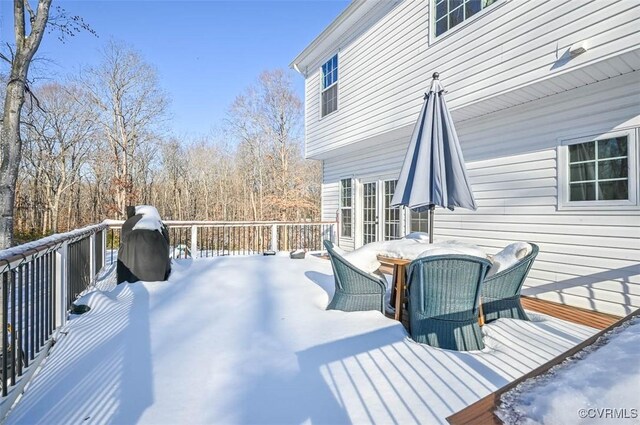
(332, 34)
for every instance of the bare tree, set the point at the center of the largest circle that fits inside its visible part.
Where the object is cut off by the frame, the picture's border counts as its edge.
(26, 45)
(255, 170)
(267, 121)
(246, 125)
(57, 145)
(19, 56)
(131, 106)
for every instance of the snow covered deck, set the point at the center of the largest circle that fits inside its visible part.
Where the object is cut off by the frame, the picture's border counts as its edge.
(248, 340)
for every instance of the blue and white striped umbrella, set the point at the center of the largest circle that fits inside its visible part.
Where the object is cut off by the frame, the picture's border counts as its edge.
(434, 172)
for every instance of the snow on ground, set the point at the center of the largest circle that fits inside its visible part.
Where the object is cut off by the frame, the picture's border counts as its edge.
(248, 340)
(600, 384)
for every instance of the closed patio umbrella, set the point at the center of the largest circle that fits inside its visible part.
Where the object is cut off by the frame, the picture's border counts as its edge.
(434, 172)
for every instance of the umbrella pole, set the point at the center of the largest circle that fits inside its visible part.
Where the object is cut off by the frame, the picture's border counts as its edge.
(432, 209)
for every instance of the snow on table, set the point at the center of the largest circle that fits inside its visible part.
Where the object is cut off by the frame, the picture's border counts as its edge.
(247, 340)
(600, 384)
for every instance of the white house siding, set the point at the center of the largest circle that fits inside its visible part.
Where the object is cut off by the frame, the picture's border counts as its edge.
(508, 46)
(589, 259)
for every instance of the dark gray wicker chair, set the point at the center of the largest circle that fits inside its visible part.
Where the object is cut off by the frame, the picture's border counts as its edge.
(444, 292)
(501, 292)
(356, 290)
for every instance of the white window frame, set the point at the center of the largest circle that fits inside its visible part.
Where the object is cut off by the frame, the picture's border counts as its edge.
(382, 216)
(432, 13)
(409, 221)
(323, 89)
(632, 163)
(342, 207)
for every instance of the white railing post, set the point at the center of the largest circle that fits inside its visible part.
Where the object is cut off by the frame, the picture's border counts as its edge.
(274, 237)
(92, 256)
(194, 241)
(61, 277)
(103, 241)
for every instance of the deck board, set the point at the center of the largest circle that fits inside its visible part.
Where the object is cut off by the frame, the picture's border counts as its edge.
(569, 313)
(482, 411)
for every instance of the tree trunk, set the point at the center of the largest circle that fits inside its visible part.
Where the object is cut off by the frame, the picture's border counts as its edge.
(10, 142)
(10, 149)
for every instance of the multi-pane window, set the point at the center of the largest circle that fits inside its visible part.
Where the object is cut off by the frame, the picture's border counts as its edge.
(330, 86)
(449, 13)
(420, 221)
(391, 214)
(598, 170)
(346, 208)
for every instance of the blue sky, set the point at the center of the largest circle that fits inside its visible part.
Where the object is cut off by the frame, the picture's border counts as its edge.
(205, 52)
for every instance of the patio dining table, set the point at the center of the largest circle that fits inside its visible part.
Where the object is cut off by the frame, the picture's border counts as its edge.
(406, 256)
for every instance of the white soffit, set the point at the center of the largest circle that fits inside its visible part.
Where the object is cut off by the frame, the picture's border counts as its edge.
(592, 73)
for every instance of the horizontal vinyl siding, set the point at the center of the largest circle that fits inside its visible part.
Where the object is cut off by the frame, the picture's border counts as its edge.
(605, 105)
(330, 201)
(380, 161)
(589, 259)
(514, 44)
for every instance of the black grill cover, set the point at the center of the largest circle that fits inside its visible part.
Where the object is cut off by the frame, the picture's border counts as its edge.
(143, 253)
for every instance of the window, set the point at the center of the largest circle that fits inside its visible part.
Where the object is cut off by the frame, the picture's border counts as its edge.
(346, 208)
(449, 13)
(391, 214)
(330, 86)
(420, 221)
(598, 171)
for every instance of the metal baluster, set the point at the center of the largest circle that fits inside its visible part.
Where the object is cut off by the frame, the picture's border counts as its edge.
(19, 325)
(12, 297)
(52, 290)
(32, 308)
(36, 309)
(27, 311)
(42, 304)
(54, 310)
(45, 296)
(5, 341)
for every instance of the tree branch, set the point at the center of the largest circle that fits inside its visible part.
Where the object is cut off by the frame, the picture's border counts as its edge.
(38, 26)
(32, 15)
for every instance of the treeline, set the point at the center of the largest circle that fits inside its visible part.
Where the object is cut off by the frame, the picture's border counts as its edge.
(101, 140)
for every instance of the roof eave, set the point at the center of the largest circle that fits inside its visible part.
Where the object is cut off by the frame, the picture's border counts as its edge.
(330, 34)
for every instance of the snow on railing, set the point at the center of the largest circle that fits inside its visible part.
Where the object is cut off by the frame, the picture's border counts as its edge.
(40, 280)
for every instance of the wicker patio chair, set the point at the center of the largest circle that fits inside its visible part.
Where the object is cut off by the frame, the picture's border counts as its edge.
(443, 297)
(501, 292)
(356, 290)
